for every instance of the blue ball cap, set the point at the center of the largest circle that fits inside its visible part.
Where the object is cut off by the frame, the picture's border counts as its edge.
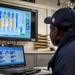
(62, 18)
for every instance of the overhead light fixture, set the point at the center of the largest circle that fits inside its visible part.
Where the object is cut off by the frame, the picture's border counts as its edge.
(62, 0)
(58, 3)
(70, 3)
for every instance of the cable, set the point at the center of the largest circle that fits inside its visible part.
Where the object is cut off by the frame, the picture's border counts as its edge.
(72, 1)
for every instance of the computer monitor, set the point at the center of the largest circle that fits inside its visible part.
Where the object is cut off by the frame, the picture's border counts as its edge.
(12, 55)
(18, 23)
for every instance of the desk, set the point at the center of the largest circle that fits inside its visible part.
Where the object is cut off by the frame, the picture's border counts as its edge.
(44, 71)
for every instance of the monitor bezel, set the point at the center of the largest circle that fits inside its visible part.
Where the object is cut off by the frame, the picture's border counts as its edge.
(35, 38)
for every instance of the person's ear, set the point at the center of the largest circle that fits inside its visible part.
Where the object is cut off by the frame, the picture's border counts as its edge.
(56, 31)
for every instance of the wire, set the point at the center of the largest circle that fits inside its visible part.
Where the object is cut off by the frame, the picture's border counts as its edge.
(11, 42)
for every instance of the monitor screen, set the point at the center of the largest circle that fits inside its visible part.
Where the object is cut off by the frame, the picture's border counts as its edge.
(11, 55)
(18, 23)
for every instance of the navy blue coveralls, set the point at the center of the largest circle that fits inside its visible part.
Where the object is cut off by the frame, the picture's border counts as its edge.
(63, 61)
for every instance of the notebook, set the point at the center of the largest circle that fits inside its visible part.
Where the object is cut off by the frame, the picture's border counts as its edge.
(12, 59)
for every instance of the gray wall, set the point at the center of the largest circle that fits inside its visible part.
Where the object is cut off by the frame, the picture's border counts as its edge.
(52, 3)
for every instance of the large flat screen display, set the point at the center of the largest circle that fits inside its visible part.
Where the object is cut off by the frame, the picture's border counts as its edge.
(18, 23)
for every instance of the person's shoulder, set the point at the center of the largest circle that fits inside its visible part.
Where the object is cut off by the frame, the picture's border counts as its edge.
(67, 50)
(70, 46)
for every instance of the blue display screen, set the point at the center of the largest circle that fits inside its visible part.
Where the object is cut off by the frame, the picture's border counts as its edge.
(11, 55)
(15, 23)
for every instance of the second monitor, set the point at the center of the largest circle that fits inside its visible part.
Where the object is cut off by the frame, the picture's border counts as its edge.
(18, 23)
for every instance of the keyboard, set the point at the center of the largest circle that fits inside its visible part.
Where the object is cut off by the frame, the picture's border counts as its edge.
(25, 70)
(33, 72)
